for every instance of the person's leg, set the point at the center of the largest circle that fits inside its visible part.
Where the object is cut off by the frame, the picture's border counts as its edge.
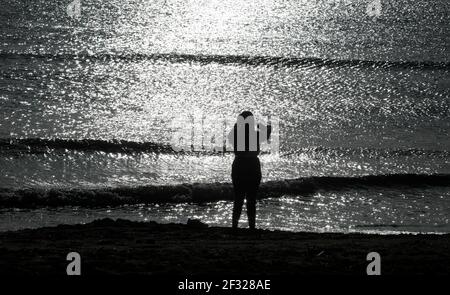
(252, 189)
(251, 208)
(238, 193)
(237, 207)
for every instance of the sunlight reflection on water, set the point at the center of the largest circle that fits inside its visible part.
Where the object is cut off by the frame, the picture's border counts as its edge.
(380, 211)
(100, 77)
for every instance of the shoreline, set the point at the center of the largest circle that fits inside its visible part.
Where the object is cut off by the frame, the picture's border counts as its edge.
(123, 247)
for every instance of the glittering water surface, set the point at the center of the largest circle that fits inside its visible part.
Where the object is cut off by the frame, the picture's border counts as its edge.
(126, 70)
(378, 211)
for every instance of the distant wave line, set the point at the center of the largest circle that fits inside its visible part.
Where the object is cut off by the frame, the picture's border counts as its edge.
(237, 60)
(47, 145)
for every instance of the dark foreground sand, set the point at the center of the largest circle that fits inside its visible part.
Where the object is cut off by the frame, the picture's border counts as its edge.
(125, 247)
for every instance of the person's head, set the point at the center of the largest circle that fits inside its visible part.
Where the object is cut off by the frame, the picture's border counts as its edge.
(247, 116)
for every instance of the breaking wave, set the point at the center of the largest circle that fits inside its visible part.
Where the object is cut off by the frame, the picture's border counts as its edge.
(206, 192)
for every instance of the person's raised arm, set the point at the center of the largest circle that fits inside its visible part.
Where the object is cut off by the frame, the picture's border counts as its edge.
(231, 136)
(265, 130)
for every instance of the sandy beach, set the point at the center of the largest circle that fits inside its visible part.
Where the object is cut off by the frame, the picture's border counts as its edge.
(123, 247)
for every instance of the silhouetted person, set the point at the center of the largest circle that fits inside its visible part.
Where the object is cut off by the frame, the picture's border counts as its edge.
(246, 137)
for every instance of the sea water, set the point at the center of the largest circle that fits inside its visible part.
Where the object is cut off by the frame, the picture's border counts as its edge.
(355, 94)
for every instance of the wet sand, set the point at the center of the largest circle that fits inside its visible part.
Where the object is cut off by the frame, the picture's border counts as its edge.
(125, 247)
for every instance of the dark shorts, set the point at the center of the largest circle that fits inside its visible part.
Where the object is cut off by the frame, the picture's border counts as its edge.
(246, 174)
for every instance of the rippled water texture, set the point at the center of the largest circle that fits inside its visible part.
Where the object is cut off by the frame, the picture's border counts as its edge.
(378, 211)
(355, 95)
